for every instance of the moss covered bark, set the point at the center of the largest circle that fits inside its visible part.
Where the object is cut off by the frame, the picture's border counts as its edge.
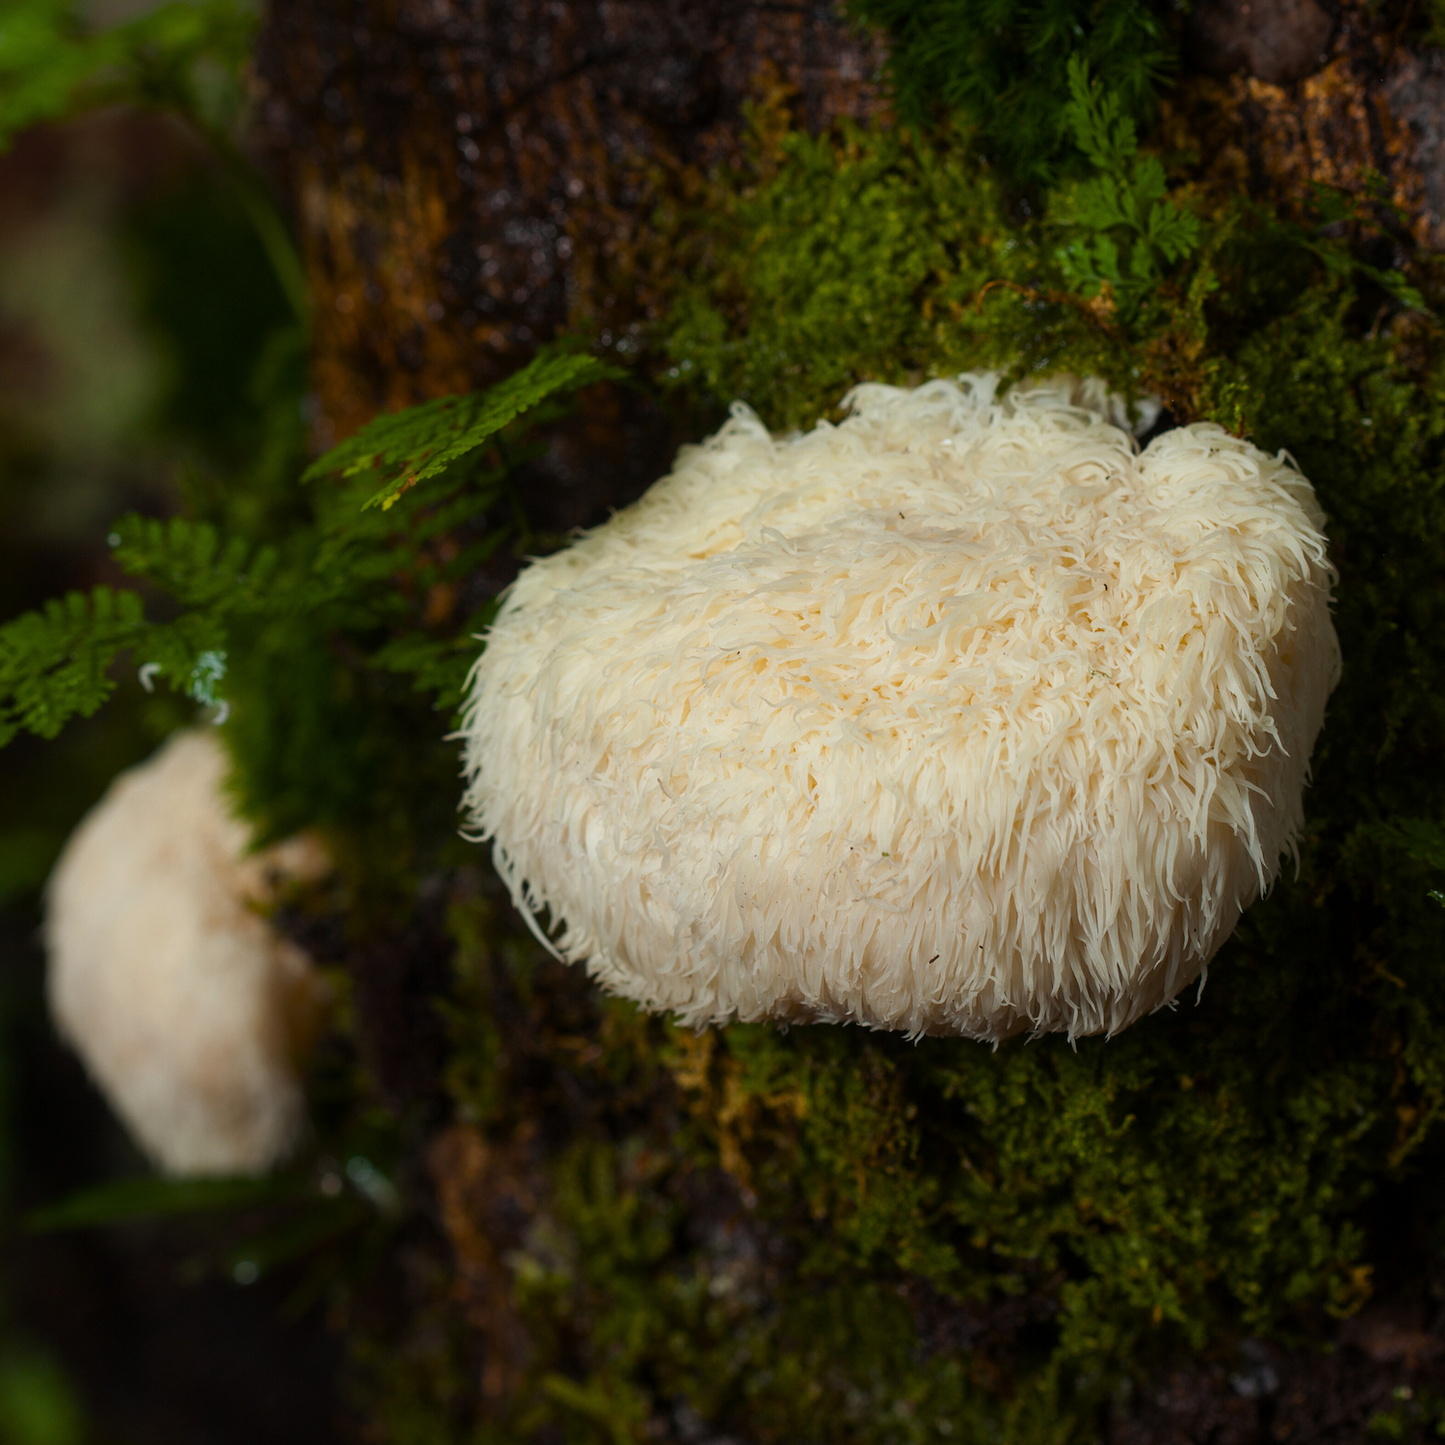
(608, 1229)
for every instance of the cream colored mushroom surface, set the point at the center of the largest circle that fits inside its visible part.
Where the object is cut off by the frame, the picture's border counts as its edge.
(963, 716)
(188, 1010)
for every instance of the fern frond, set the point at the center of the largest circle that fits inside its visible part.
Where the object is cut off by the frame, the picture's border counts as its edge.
(189, 561)
(351, 572)
(196, 567)
(1132, 231)
(53, 661)
(437, 665)
(236, 578)
(1096, 117)
(410, 446)
(1004, 65)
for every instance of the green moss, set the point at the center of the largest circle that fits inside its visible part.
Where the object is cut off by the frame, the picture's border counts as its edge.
(864, 258)
(828, 1234)
(891, 256)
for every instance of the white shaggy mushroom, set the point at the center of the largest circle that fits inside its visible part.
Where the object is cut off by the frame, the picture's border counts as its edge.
(961, 717)
(188, 1010)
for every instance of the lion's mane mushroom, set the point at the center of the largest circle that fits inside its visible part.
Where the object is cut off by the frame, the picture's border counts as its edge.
(188, 1010)
(962, 716)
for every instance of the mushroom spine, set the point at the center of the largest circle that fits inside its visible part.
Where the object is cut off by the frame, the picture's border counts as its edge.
(189, 1011)
(963, 716)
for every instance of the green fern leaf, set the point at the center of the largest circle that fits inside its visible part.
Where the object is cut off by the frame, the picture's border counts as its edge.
(190, 562)
(1132, 231)
(1004, 65)
(1101, 129)
(339, 573)
(235, 578)
(53, 661)
(410, 446)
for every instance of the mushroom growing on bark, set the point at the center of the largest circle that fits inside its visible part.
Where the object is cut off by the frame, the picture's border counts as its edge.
(189, 1011)
(963, 716)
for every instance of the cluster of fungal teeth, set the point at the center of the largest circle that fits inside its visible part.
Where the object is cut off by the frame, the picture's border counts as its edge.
(964, 716)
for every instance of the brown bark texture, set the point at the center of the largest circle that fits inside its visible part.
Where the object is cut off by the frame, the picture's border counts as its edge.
(470, 179)
(1287, 94)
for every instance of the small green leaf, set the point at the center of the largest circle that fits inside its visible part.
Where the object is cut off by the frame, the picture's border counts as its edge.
(51, 64)
(437, 665)
(154, 1197)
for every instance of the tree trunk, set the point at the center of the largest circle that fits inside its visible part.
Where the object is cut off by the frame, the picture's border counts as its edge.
(469, 181)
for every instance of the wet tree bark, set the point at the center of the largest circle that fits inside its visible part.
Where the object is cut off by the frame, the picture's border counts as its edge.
(469, 180)
(1281, 94)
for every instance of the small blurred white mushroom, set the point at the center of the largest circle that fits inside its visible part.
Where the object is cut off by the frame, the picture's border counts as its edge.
(962, 716)
(190, 1012)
